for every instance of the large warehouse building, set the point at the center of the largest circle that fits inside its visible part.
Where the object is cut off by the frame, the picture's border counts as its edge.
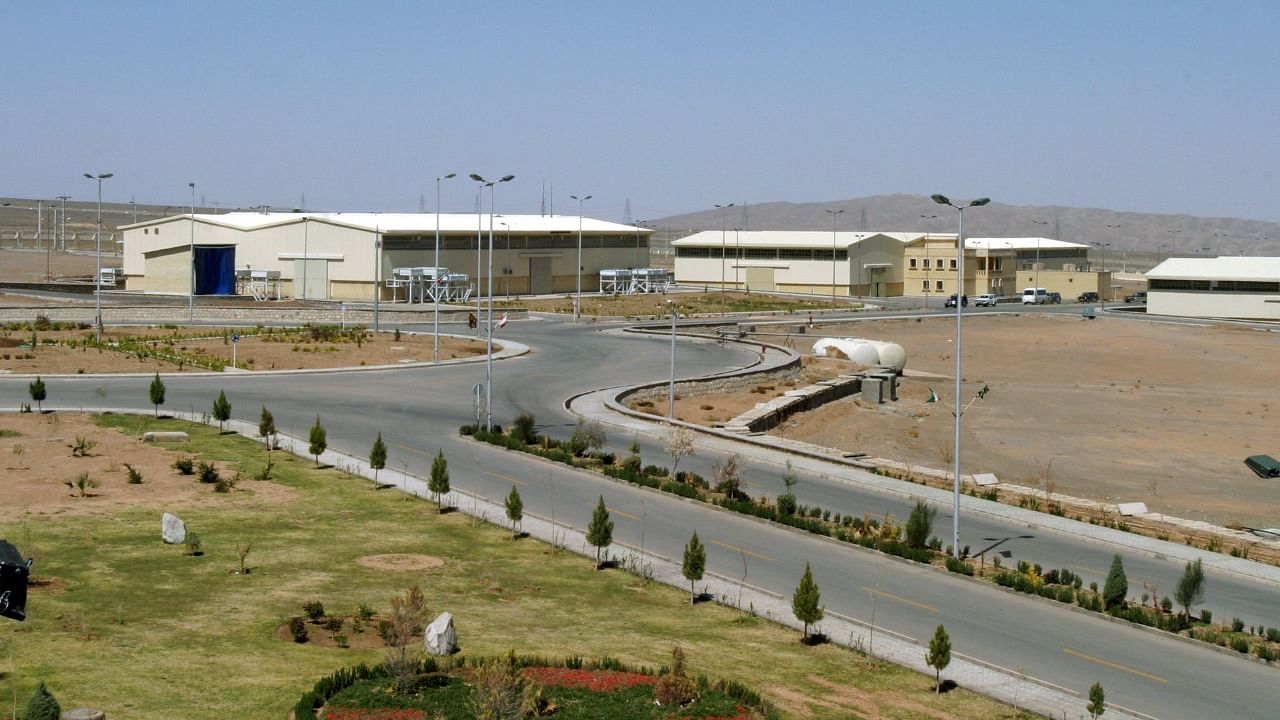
(1222, 287)
(346, 255)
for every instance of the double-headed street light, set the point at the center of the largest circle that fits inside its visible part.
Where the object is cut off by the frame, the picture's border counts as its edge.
(97, 239)
(955, 513)
(577, 303)
(834, 215)
(488, 362)
(928, 288)
(435, 324)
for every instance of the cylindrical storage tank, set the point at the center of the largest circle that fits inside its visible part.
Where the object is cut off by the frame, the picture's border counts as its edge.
(892, 355)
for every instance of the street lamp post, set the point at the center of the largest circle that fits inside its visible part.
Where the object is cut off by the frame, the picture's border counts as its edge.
(834, 215)
(62, 229)
(577, 302)
(488, 362)
(435, 323)
(724, 209)
(928, 283)
(377, 278)
(1045, 223)
(639, 224)
(97, 239)
(955, 513)
(671, 388)
(191, 294)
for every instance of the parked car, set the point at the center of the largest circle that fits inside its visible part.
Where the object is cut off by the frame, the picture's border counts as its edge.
(985, 300)
(1087, 297)
(964, 301)
(1138, 297)
(1055, 298)
(1034, 296)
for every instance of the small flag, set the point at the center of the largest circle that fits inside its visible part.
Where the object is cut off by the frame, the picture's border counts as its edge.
(502, 321)
(933, 396)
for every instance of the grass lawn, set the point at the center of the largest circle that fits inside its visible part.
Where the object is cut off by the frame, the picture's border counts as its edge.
(142, 631)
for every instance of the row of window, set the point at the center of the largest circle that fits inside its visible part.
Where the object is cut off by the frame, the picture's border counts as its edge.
(501, 241)
(924, 264)
(761, 253)
(925, 285)
(1241, 286)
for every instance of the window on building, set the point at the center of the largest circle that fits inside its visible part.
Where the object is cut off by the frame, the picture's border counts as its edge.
(953, 264)
(760, 253)
(937, 263)
(939, 287)
(925, 286)
(913, 263)
(795, 254)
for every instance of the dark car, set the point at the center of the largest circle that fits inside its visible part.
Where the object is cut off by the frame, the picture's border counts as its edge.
(964, 301)
(1055, 298)
(1138, 297)
(1087, 297)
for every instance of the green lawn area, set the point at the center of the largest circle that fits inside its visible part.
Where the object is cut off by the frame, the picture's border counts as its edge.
(142, 631)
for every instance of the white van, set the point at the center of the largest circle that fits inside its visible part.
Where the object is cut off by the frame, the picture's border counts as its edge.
(1034, 296)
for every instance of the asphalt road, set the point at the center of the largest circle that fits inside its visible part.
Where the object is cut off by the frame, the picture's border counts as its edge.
(418, 411)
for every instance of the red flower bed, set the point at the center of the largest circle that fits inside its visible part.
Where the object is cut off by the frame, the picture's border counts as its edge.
(595, 680)
(373, 714)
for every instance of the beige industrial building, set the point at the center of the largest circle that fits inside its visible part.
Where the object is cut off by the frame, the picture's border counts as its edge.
(1000, 266)
(1222, 287)
(865, 264)
(345, 256)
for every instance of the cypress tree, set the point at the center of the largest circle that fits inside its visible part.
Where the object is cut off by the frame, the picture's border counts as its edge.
(378, 457)
(221, 409)
(157, 393)
(267, 427)
(439, 482)
(318, 440)
(695, 563)
(42, 705)
(38, 393)
(600, 531)
(515, 509)
(939, 656)
(1117, 586)
(806, 602)
(1097, 701)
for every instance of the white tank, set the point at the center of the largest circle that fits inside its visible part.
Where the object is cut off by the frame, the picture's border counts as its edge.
(875, 353)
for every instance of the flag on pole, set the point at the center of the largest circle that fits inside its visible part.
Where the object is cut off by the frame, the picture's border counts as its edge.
(502, 321)
(933, 396)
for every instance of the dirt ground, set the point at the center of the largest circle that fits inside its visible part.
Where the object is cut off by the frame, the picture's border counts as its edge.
(35, 453)
(256, 350)
(656, 304)
(1107, 409)
(38, 265)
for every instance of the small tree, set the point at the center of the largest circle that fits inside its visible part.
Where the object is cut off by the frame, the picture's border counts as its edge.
(439, 482)
(267, 427)
(157, 393)
(515, 510)
(408, 620)
(500, 691)
(787, 500)
(695, 564)
(221, 409)
(522, 428)
(38, 394)
(42, 705)
(920, 524)
(1116, 588)
(242, 551)
(806, 602)
(939, 656)
(679, 444)
(1097, 701)
(587, 436)
(319, 441)
(378, 457)
(1190, 590)
(600, 531)
(728, 477)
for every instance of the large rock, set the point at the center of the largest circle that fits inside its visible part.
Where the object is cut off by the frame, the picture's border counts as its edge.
(441, 638)
(172, 530)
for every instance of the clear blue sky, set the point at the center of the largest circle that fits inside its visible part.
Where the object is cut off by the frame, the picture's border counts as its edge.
(1131, 105)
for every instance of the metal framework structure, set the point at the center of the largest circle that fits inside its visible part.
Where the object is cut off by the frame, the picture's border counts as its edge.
(619, 281)
(429, 284)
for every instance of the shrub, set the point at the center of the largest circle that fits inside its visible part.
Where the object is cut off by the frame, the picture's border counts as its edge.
(364, 612)
(82, 446)
(186, 465)
(1264, 652)
(1206, 617)
(226, 485)
(1273, 635)
(786, 504)
(675, 689)
(314, 610)
(333, 624)
(523, 429)
(1240, 645)
(42, 705)
(959, 566)
(298, 628)
(1237, 625)
(135, 475)
(192, 545)
(208, 473)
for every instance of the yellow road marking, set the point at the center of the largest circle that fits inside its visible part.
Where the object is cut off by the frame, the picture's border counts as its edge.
(901, 599)
(614, 511)
(415, 450)
(1116, 666)
(500, 476)
(745, 551)
(1089, 569)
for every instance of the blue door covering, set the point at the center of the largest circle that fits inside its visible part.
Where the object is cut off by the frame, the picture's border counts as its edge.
(215, 270)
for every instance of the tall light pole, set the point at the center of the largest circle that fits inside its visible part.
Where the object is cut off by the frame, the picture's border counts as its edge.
(435, 323)
(97, 238)
(737, 256)
(62, 231)
(639, 224)
(577, 303)
(191, 296)
(1045, 223)
(724, 209)
(377, 278)
(488, 361)
(834, 215)
(955, 513)
(928, 283)
(671, 388)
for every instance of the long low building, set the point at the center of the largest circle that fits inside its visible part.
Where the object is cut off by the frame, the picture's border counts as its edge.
(1222, 287)
(346, 255)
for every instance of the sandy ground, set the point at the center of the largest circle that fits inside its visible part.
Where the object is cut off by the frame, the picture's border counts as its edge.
(37, 461)
(38, 265)
(1107, 409)
(257, 350)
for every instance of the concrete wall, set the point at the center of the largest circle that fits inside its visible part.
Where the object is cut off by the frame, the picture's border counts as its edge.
(1069, 284)
(167, 271)
(1188, 303)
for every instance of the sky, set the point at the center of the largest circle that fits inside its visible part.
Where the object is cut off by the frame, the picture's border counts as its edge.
(667, 107)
